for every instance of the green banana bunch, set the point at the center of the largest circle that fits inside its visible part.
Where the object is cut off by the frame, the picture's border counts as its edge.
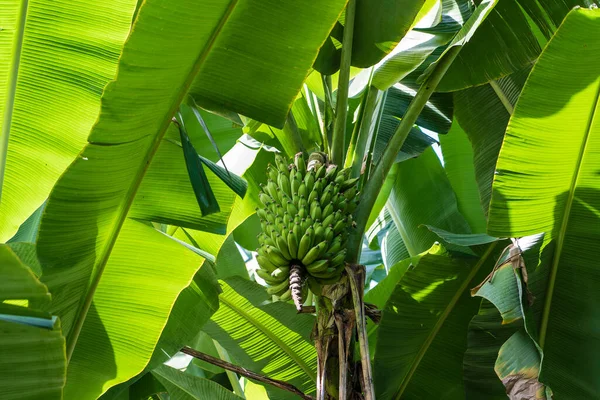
(305, 218)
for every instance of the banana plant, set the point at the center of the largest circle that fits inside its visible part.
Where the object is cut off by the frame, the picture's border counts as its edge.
(468, 271)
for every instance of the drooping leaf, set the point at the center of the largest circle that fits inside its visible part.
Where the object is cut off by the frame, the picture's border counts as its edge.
(268, 338)
(410, 53)
(558, 195)
(483, 116)
(18, 281)
(379, 25)
(459, 167)
(204, 194)
(466, 33)
(32, 356)
(276, 58)
(506, 40)
(29, 229)
(422, 195)
(393, 248)
(61, 62)
(182, 386)
(463, 239)
(234, 182)
(225, 132)
(422, 334)
(486, 335)
(519, 357)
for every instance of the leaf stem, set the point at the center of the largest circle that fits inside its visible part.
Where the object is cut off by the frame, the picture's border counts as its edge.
(356, 275)
(375, 182)
(233, 378)
(502, 96)
(364, 130)
(247, 373)
(11, 88)
(341, 105)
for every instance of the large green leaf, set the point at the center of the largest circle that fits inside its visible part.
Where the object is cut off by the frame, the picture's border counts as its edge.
(458, 164)
(52, 72)
(486, 335)
(422, 335)
(503, 44)
(518, 361)
(422, 195)
(276, 58)
(379, 25)
(547, 181)
(18, 281)
(482, 113)
(32, 358)
(268, 338)
(93, 251)
(182, 386)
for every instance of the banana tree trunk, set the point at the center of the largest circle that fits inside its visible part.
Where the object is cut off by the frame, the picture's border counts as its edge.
(341, 318)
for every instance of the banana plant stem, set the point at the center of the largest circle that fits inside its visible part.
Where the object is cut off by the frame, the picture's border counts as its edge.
(356, 275)
(341, 105)
(364, 129)
(375, 181)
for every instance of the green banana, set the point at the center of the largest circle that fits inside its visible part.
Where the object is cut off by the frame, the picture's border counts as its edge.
(266, 276)
(276, 255)
(339, 258)
(286, 295)
(321, 171)
(315, 210)
(272, 189)
(302, 190)
(314, 253)
(284, 184)
(291, 208)
(328, 210)
(272, 172)
(348, 184)
(264, 198)
(300, 163)
(266, 263)
(329, 220)
(278, 288)
(292, 244)
(305, 244)
(282, 245)
(280, 274)
(318, 266)
(309, 181)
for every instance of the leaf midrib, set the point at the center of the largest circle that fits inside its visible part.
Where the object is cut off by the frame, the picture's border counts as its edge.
(441, 320)
(282, 345)
(185, 389)
(130, 196)
(565, 221)
(13, 77)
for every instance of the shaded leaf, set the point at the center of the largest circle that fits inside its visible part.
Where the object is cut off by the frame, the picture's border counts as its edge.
(558, 195)
(422, 195)
(182, 386)
(429, 310)
(459, 167)
(268, 338)
(32, 354)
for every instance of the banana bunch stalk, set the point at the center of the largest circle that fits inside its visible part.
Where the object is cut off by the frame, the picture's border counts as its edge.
(305, 220)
